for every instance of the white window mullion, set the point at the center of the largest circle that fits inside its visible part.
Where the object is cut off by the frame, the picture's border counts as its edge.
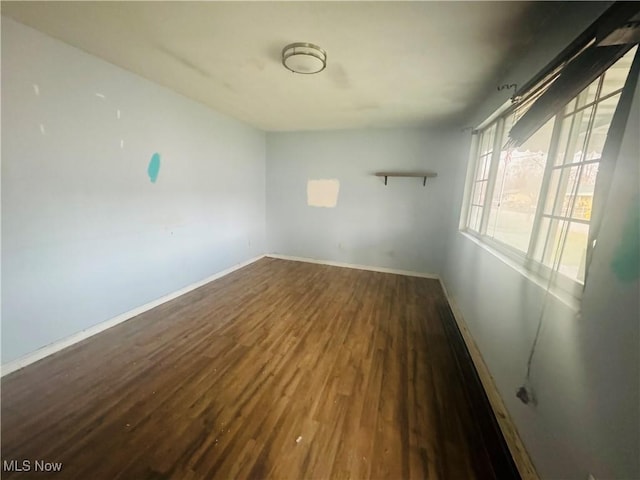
(546, 179)
(469, 182)
(493, 173)
(550, 240)
(565, 172)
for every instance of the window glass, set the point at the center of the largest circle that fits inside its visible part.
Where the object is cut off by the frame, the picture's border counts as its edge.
(517, 188)
(591, 92)
(616, 75)
(475, 217)
(481, 177)
(539, 196)
(575, 147)
(574, 253)
(601, 122)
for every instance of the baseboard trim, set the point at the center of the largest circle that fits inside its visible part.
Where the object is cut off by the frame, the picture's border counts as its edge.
(507, 426)
(354, 266)
(101, 327)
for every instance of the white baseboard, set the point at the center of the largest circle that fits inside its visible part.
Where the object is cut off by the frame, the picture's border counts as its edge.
(351, 265)
(101, 327)
(52, 348)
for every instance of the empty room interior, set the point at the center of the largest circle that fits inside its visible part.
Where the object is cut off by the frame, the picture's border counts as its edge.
(313, 240)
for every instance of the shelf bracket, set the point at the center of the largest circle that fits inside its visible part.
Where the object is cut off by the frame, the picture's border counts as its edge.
(424, 180)
(423, 175)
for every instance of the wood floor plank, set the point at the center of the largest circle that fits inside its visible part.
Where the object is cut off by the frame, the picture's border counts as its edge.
(279, 370)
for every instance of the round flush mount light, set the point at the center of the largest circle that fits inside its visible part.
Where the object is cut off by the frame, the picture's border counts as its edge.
(305, 58)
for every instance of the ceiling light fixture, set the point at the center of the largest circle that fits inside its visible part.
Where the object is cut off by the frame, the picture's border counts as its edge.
(305, 58)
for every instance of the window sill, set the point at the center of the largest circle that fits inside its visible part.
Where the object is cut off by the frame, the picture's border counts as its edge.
(571, 301)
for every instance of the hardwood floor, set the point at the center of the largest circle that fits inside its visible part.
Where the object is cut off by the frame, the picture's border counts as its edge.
(279, 370)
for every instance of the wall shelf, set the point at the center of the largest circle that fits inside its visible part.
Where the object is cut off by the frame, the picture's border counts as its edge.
(423, 175)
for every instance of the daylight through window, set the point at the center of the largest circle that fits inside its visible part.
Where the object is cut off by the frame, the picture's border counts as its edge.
(534, 202)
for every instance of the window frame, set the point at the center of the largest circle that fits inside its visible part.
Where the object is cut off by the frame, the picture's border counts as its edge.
(527, 259)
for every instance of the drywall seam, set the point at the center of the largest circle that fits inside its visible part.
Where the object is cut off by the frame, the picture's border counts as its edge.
(54, 347)
(507, 425)
(357, 267)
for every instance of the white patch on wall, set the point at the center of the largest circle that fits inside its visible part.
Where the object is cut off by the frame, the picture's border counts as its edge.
(36, 89)
(323, 192)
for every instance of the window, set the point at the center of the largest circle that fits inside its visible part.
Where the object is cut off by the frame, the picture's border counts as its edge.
(485, 154)
(533, 202)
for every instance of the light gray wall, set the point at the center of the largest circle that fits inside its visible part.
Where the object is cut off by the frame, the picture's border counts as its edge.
(85, 234)
(395, 226)
(84, 231)
(586, 371)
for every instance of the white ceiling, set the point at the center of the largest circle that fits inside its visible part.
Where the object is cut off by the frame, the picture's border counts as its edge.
(389, 63)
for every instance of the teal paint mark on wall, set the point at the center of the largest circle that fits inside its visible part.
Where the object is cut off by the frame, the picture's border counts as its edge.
(154, 167)
(626, 258)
